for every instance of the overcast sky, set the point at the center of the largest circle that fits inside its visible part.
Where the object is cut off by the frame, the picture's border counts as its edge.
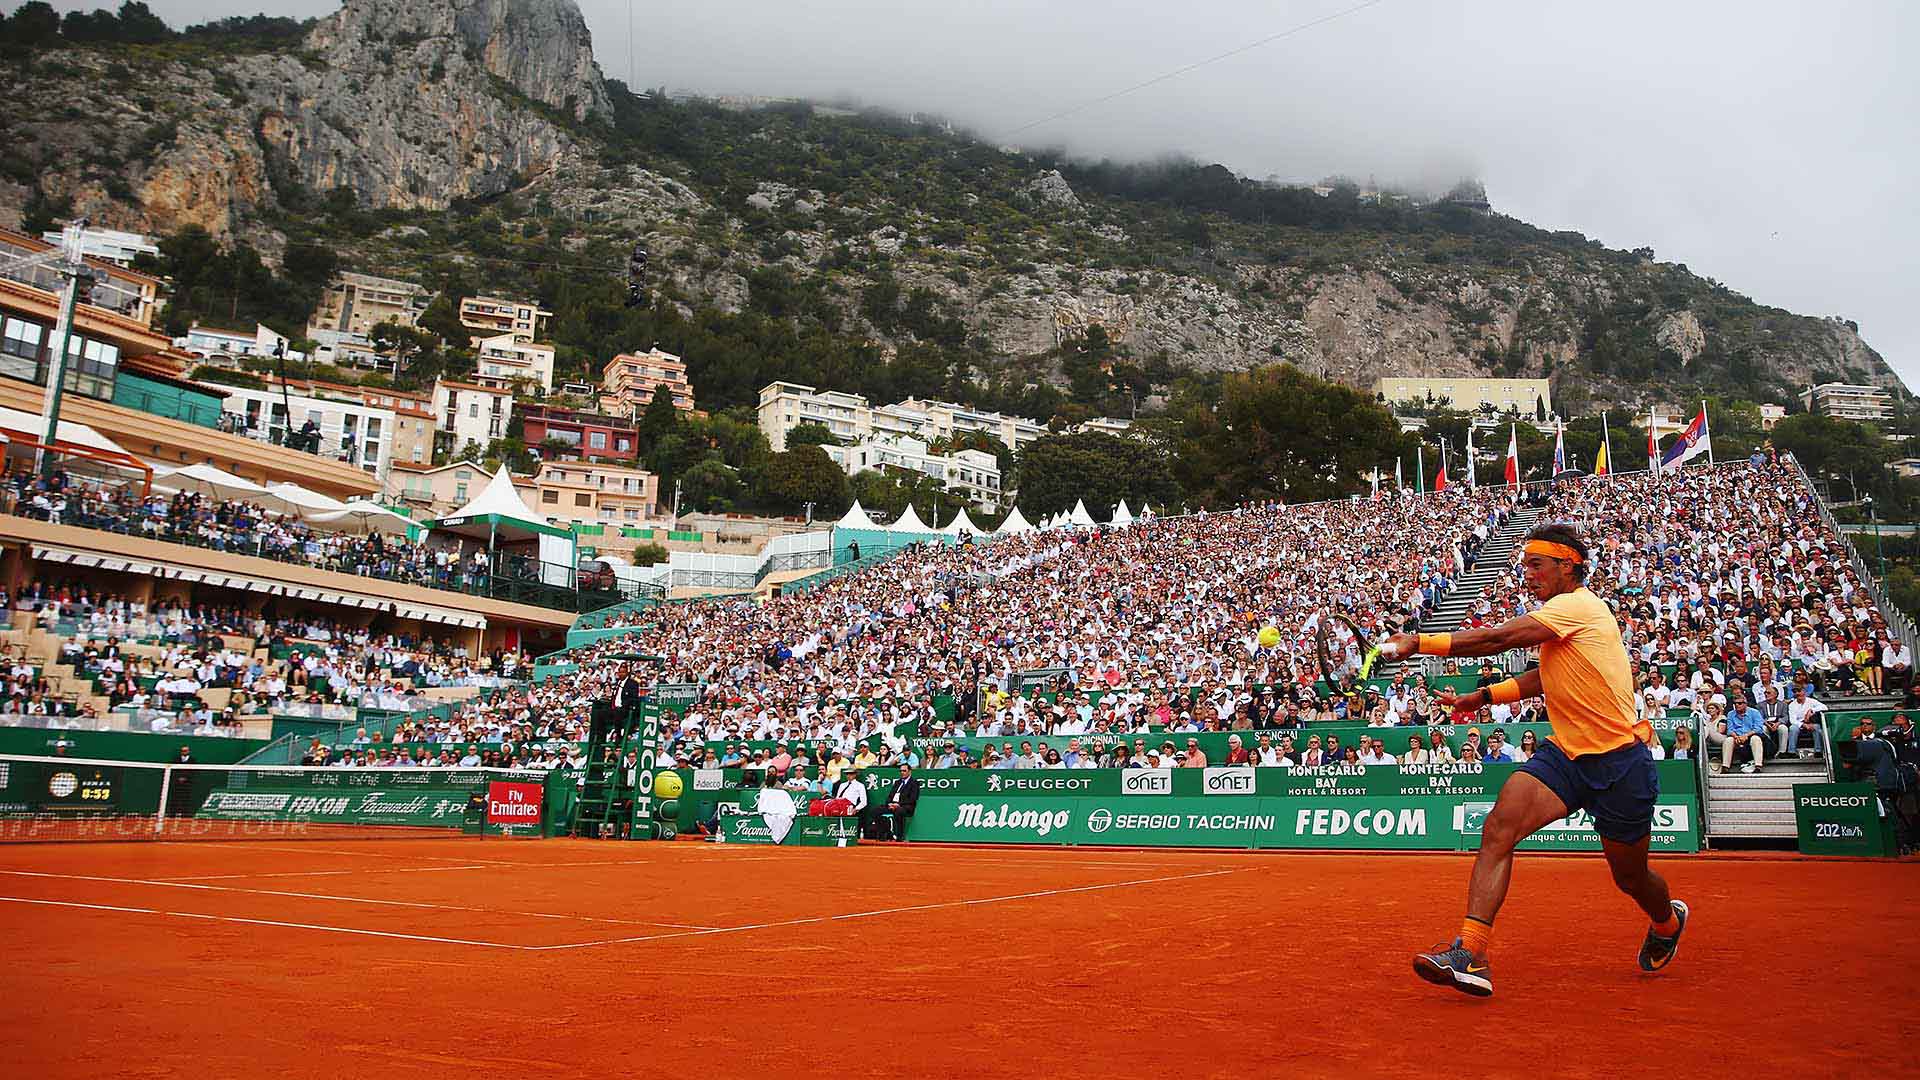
(1768, 145)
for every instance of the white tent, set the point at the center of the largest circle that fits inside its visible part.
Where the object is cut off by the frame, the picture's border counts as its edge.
(1080, 516)
(962, 525)
(499, 513)
(909, 522)
(1016, 522)
(372, 517)
(1121, 515)
(306, 504)
(855, 518)
(204, 477)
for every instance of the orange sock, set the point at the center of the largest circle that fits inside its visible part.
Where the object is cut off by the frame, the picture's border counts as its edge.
(1671, 926)
(1475, 934)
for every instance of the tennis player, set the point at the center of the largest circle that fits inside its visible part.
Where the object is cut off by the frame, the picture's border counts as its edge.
(1597, 758)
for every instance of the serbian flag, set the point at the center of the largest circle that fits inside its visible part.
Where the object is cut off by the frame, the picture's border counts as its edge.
(1559, 450)
(1513, 456)
(1694, 441)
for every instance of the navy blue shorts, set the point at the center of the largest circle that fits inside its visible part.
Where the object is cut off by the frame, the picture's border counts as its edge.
(1618, 787)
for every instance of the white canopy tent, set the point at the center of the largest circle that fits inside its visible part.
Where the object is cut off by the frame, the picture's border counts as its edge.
(962, 525)
(1016, 522)
(1121, 515)
(499, 513)
(909, 522)
(1080, 517)
(855, 518)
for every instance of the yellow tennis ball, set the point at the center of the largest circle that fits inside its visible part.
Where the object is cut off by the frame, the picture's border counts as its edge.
(667, 785)
(1269, 637)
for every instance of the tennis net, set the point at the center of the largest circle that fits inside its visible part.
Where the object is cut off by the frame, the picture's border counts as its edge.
(56, 798)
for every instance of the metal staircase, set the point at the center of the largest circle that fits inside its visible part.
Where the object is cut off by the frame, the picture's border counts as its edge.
(1747, 806)
(1493, 565)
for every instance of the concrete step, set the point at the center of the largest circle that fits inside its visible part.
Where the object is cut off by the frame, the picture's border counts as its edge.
(1751, 829)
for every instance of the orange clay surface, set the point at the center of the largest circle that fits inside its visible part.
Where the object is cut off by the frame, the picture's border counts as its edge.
(564, 958)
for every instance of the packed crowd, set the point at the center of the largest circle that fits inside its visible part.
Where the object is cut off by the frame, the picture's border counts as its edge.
(315, 666)
(1158, 627)
(244, 528)
(1140, 614)
(1730, 575)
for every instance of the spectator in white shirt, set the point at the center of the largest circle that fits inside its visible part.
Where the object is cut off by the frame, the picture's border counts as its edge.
(1897, 661)
(1806, 722)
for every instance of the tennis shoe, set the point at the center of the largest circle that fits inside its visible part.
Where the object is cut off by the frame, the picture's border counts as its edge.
(1656, 952)
(1452, 965)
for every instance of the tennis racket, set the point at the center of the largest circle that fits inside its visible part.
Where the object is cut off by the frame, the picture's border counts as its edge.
(1330, 642)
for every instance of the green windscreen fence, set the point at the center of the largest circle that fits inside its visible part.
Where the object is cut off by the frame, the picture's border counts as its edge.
(54, 798)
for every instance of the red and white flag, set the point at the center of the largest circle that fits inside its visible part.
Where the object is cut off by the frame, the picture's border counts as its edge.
(1513, 456)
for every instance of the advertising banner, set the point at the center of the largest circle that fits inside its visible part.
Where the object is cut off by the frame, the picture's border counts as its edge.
(512, 803)
(1383, 823)
(1840, 819)
(803, 832)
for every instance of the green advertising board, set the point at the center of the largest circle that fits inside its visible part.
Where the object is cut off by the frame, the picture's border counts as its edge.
(429, 798)
(803, 831)
(1840, 819)
(1381, 823)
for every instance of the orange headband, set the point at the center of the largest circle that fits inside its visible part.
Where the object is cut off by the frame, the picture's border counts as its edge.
(1553, 551)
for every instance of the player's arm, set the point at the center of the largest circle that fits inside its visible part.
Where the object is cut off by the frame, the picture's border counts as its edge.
(1518, 688)
(1520, 632)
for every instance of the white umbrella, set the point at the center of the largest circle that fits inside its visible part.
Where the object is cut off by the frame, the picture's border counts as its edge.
(372, 517)
(214, 481)
(306, 504)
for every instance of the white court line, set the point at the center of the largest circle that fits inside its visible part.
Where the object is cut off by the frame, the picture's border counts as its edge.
(351, 899)
(252, 846)
(643, 937)
(260, 922)
(895, 910)
(436, 869)
(334, 873)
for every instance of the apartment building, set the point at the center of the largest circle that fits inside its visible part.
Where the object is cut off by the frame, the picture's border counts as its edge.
(784, 406)
(630, 380)
(1849, 401)
(465, 412)
(353, 304)
(973, 473)
(592, 493)
(585, 434)
(504, 360)
(491, 316)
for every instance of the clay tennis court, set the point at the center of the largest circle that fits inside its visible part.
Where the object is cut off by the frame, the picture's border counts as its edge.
(326, 958)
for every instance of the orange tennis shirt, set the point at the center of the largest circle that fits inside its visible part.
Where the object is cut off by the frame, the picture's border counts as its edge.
(1585, 678)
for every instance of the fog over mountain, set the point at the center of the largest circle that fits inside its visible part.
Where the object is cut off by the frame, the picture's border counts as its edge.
(1766, 149)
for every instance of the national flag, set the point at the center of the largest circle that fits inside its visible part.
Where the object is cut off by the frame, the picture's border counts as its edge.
(1376, 481)
(1513, 456)
(1653, 445)
(1471, 480)
(1602, 463)
(1399, 477)
(1559, 450)
(1440, 481)
(1694, 441)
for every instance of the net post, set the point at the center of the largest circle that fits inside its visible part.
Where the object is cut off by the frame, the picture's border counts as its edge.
(160, 812)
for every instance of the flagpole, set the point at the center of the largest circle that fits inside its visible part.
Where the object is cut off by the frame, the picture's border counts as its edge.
(1420, 468)
(1706, 428)
(1606, 444)
(1653, 445)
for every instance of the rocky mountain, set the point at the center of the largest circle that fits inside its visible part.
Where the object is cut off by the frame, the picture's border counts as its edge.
(861, 226)
(402, 105)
